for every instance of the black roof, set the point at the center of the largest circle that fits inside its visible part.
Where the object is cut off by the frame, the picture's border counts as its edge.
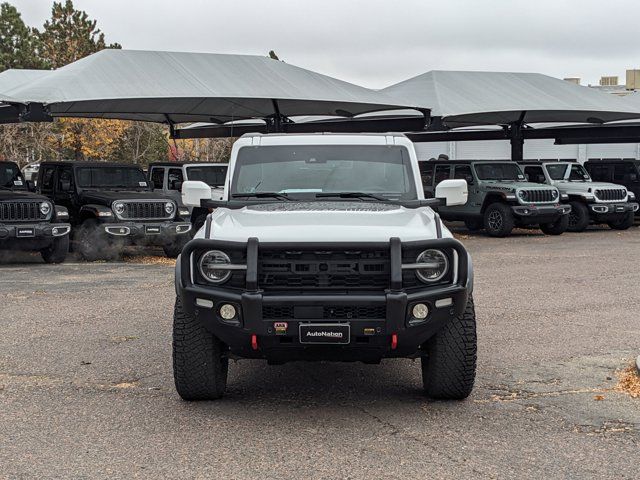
(180, 164)
(88, 164)
(612, 160)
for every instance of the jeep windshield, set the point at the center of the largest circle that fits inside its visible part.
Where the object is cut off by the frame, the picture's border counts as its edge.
(572, 172)
(212, 175)
(361, 172)
(124, 178)
(10, 177)
(504, 172)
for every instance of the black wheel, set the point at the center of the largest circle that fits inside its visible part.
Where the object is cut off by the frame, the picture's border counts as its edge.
(498, 220)
(578, 217)
(57, 251)
(624, 223)
(200, 365)
(473, 225)
(199, 222)
(449, 367)
(173, 249)
(92, 244)
(556, 228)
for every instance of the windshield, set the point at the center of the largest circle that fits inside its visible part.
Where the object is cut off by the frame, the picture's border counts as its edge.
(212, 175)
(111, 177)
(499, 171)
(10, 176)
(313, 169)
(574, 172)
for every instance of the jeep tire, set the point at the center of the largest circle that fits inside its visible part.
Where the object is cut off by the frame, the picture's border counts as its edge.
(623, 223)
(200, 366)
(449, 366)
(92, 244)
(474, 225)
(173, 249)
(578, 217)
(57, 251)
(556, 228)
(498, 220)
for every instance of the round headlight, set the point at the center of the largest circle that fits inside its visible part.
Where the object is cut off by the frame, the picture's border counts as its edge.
(522, 194)
(554, 194)
(45, 208)
(436, 265)
(169, 207)
(118, 208)
(210, 266)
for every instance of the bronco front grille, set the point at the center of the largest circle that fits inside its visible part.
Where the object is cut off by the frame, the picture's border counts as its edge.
(537, 196)
(150, 210)
(342, 312)
(335, 269)
(21, 212)
(611, 194)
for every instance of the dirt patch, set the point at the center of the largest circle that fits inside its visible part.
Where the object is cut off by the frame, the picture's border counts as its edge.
(629, 381)
(149, 260)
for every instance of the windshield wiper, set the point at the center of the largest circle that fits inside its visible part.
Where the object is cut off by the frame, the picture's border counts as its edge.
(279, 196)
(351, 195)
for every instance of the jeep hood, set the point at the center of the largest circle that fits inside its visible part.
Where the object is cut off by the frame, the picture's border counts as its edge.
(323, 222)
(7, 195)
(585, 186)
(107, 197)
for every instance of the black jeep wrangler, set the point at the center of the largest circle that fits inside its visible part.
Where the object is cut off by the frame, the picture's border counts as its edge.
(28, 221)
(111, 205)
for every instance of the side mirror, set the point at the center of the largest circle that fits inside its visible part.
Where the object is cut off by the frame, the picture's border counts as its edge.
(195, 191)
(453, 192)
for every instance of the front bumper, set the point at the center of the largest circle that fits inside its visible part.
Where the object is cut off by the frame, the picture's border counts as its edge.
(535, 214)
(146, 233)
(608, 211)
(370, 338)
(31, 236)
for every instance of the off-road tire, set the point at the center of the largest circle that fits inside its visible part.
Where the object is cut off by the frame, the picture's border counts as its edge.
(498, 220)
(556, 228)
(57, 251)
(623, 224)
(200, 366)
(578, 217)
(92, 244)
(173, 249)
(474, 225)
(449, 367)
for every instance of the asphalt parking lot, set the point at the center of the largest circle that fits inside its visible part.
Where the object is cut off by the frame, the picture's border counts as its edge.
(86, 387)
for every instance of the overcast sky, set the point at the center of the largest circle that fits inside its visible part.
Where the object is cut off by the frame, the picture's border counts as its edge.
(379, 42)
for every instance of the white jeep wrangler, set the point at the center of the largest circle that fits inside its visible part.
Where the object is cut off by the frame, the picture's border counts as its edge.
(324, 248)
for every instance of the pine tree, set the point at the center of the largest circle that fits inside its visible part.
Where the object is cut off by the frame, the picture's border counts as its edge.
(70, 35)
(18, 43)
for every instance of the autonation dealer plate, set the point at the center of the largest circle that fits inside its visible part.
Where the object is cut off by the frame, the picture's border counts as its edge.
(335, 333)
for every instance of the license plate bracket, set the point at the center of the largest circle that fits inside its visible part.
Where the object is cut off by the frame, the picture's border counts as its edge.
(25, 232)
(151, 230)
(325, 333)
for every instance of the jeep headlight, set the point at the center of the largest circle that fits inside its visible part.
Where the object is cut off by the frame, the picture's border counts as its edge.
(45, 208)
(212, 266)
(169, 207)
(522, 195)
(433, 265)
(554, 194)
(118, 208)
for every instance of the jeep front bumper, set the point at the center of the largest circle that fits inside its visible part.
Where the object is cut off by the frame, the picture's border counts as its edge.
(370, 338)
(146, 233)
(602, 211)
(535, 214)
(31, 236)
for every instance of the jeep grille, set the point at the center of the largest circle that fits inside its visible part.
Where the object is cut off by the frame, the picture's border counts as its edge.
(150, 210)
(611, 194)
(538, 196)
(21, 212)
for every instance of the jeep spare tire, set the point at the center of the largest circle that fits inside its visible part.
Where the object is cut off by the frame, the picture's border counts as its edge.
(498, 220)
(578, 217)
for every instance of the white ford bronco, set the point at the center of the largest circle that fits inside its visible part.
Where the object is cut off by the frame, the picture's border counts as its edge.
(324, 248)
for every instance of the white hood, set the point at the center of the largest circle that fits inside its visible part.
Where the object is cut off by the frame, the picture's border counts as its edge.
(323, 222)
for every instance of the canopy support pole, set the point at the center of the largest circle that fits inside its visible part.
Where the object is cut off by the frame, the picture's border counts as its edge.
(517, 139)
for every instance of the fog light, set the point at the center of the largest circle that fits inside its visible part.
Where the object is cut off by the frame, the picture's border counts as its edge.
(444, 302)
(227, 312)
(420, 311)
